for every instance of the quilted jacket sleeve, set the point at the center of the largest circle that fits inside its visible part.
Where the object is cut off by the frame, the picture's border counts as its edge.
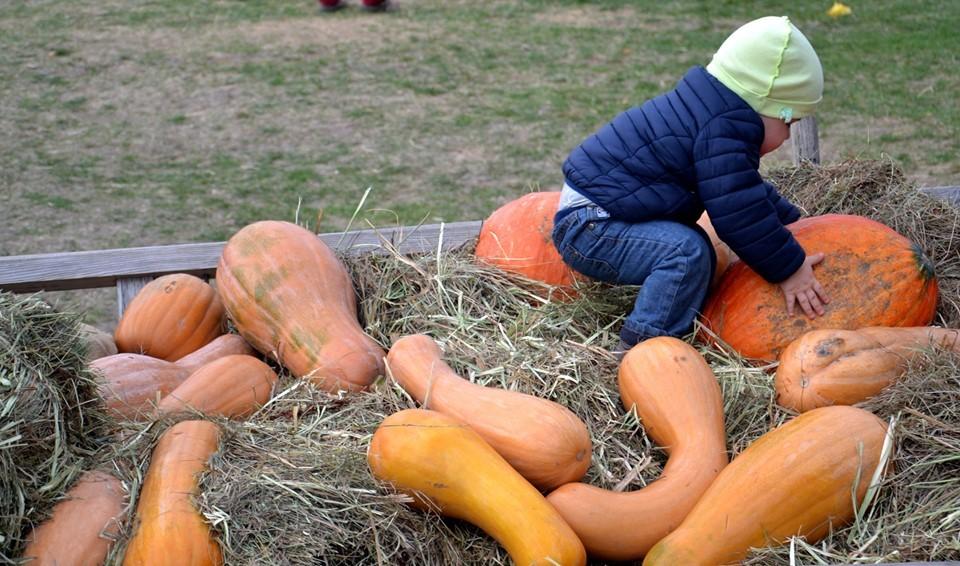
(738, 200)
(786, 211)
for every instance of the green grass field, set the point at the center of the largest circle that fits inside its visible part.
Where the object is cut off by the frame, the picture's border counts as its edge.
(148, 122)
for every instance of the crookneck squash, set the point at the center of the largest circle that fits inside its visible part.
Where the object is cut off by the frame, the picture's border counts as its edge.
(170, 317)
(544, 441)
(800, 479)
(873, 276)
(677, 398)
(843, 367)
(445, 466)
(169, 530)
(290, 296)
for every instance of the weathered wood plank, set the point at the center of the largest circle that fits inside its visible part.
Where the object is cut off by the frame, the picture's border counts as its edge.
(103, 268)
(951, 194)
(806, 140)
(127, 289)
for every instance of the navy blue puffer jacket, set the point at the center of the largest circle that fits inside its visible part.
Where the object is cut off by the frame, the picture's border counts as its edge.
(696, 147)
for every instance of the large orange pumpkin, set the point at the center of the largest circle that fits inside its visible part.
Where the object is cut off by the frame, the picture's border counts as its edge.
(516, 238)
(290, 296)
(171, 317)
(873, 275)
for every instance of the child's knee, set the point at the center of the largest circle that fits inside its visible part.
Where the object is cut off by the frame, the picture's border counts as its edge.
(699, 255)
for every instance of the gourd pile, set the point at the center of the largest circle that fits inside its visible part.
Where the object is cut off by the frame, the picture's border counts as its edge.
(308, 408)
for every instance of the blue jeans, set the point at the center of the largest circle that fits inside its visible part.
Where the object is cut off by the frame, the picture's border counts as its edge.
(673, 262)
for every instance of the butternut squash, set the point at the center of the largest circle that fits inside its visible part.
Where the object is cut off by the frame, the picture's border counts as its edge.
(232, 387)
(290, 296)
(131, 384)
(543, 440)
(226, 345)
(83, 526)
(168, 529)
(799, 479)
(443, 464)
(843, 367)
(677, 398)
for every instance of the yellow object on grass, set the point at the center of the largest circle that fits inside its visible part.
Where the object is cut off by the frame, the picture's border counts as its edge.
(839, 9)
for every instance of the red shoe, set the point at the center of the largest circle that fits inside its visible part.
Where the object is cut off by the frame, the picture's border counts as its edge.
(330, 5)
(375, 5)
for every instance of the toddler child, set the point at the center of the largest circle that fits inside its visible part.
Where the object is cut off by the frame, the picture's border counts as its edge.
(634, 190)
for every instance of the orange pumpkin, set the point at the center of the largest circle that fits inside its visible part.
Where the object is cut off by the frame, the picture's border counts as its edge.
(131, 384)
(290, 296)
(873, 275)
(232, 387)
(843, 367)
(544, 441)
(444, 465)
(516, 238)
(802, 479)
(678, 399)
(83, 526)
(168, 529)
(170, 317)
(725, 255)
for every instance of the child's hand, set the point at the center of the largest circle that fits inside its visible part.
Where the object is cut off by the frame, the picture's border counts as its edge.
(803, 288)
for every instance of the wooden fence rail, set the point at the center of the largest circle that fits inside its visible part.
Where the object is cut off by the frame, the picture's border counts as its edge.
(129, 269)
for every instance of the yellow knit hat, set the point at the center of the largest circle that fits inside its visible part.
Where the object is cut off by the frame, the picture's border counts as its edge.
(772, 66)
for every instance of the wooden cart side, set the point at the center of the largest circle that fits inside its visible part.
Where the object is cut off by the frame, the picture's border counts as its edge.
(129, 269)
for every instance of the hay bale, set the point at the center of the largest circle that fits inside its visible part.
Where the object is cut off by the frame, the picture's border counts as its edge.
(46, 417)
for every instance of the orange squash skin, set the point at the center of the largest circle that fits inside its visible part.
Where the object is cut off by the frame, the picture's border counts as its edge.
(168, 529)
(431, 456)
(170, 317)
(232, 386)
(130, 385)
(292, 299)
(226, 345)
(678, 400)
(873, 276)
(724, 254)
(796, 480)
(517, 238)
(544, 441)
(72, 535)
(843, 367)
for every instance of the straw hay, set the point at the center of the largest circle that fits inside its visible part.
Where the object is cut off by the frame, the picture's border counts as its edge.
(46, 420)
